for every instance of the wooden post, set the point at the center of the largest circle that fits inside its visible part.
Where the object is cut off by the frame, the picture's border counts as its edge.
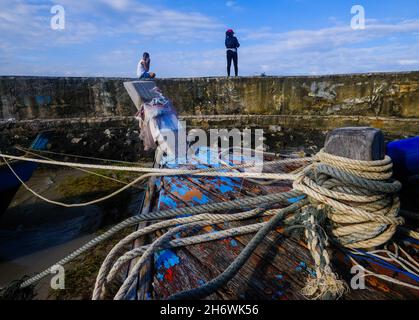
(359, 143)
(141, 91)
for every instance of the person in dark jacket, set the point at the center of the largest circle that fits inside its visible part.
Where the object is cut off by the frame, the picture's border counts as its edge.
(231, 45)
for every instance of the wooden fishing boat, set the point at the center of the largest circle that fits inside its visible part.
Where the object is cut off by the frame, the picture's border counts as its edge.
(280, 266)
(277, 270)
(9, 183)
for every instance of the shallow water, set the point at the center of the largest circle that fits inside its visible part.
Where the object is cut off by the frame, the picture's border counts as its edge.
(35, 234)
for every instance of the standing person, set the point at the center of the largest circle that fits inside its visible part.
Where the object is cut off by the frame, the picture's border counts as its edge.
(232, 44)
(143, 67)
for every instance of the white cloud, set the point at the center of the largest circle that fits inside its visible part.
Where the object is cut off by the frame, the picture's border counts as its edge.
(87, 19)
(408, 62)
(330, 50)
(118, 4)
(233, 5)
(324, 51)
(339, 49)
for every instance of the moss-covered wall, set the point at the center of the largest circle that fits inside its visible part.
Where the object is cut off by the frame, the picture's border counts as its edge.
(381, 94)
(28, 98)
(389, 101)
(384, 94)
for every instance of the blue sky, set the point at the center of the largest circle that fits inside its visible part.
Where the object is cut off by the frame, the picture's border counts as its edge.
(186, 37)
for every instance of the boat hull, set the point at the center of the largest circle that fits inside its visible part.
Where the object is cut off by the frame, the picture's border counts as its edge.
(22, 168)
(9, 183)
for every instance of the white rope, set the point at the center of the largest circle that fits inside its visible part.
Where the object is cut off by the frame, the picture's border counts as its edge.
(355, 194)
(28, 151)
(76, 156)
(372, 207)
(111, 266)
(161, 171)
(369, 273)
(152, 172)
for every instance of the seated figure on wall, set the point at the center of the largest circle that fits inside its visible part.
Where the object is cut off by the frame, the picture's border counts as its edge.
(143, 68)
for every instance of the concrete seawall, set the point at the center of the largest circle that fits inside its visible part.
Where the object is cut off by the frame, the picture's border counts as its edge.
(389, 101)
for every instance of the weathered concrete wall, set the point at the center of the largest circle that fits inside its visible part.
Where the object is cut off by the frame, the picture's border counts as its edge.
(27, 98)
(285, 107)
(106, 137)
(376, 95)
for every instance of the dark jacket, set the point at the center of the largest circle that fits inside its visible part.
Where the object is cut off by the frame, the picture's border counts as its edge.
(232, 42)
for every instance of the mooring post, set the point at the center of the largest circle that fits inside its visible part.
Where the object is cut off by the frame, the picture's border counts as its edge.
(358, 143)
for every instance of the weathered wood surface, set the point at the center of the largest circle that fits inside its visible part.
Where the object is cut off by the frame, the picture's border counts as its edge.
(278, 269)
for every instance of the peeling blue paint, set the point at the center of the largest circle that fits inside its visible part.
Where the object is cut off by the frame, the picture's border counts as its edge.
(221, 184)
(168, 201)
(233, 243)
(225, 188)
(301, 266)
(182, 190)
(165, 259)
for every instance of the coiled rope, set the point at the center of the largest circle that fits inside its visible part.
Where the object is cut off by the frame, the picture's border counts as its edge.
(357, 197)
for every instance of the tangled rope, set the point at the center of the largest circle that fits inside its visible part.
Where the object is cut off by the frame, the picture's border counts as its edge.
(112, 264)
(248, 202)
(350, 202)
(357, 198)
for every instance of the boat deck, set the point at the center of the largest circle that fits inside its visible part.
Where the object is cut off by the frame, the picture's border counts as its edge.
(277, 270)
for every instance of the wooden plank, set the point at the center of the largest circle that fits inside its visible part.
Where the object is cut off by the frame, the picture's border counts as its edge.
(142, 291)
(140, 91)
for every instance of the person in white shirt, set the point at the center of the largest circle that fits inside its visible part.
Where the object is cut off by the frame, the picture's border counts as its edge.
(143, 67)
